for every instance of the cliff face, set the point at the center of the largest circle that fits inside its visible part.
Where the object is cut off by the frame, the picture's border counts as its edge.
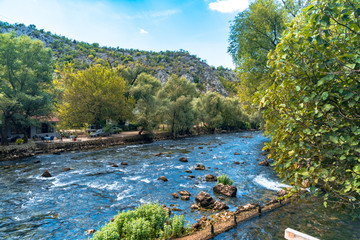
(160, 64)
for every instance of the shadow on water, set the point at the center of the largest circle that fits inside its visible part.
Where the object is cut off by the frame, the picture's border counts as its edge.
(94, 190)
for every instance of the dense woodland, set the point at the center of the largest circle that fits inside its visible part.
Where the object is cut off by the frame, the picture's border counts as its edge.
(298, 63)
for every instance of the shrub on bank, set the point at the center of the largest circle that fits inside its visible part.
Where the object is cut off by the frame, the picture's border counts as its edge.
(224, 179)
(148, 221)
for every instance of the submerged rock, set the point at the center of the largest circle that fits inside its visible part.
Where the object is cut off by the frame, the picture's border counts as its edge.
(123, 163)
(46, 173)
(167, 209)
(183, 159)
(66, 169)
(264, 163)
(194, 206)
(185, 197)
(184, 193)
(236, 162)
(114, 165)
(211, 178)
(163, 178)
(200, 167)
(196, 225)
(220, 206)
(204, 199)
(90, 231)
(226, 190)
(176, 209)
(236, 153)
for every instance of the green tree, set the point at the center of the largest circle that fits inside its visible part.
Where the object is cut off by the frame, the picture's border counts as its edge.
(233, 117)
(312, 111)
(147, 106)
(253, 34)
(93, 96)
(25, 82)
(177, 95)
(208, 110)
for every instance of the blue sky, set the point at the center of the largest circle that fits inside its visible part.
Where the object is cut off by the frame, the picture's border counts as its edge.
(198, 26)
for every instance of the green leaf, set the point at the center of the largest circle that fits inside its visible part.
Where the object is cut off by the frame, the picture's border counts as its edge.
(325, 95)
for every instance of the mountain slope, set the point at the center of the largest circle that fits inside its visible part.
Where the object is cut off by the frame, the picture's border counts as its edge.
(159, 64)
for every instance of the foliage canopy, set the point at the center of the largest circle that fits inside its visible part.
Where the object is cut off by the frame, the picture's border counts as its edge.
(312, 111)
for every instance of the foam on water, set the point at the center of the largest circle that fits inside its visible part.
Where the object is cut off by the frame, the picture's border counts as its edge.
(269, 184)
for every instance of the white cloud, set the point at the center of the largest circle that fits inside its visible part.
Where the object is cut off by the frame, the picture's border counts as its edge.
(229, 6)
(142, 31)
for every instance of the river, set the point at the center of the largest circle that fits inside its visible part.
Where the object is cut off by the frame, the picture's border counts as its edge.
(93, 191)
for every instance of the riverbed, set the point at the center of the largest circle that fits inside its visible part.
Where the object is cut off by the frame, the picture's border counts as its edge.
(65, 205)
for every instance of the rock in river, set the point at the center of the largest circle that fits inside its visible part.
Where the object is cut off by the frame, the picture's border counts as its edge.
(183, 159)
(264, 163)
(163, 178)
(226, 190)
(204, 199)
(220, 206)
(175, 195)
(184, 193)
(185, 197)
(46, 173)
(200, 167)
(211, 178)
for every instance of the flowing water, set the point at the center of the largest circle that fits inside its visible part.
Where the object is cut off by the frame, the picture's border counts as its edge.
(93, 191)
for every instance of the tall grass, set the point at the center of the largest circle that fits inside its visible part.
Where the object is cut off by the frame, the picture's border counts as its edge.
(148, 221)
(224, 179)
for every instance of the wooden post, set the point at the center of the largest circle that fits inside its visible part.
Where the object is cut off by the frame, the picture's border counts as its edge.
(292, 234)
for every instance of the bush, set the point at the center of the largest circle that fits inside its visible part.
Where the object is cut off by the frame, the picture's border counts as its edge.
(19, 141)
(224, 179)
(148, 221)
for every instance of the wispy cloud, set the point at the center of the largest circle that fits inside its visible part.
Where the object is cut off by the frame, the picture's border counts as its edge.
(142, 31)
(229, 6)
(154, 14)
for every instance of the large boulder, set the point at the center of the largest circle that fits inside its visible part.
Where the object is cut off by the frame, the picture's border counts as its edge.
(204, 199)
(200, 167)
(183, 159)
(211, 178)
(226, 190)
(46, 173)
(220, 206)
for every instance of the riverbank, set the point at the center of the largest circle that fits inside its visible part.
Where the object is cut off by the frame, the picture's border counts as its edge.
(67, 145)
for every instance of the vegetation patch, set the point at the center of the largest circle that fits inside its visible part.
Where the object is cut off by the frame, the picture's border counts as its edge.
(148, 221)
(224, 179)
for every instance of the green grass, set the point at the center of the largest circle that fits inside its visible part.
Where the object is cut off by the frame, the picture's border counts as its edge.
(224, 179)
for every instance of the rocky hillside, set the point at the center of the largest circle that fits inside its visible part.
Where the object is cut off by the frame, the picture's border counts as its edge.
(159, 64)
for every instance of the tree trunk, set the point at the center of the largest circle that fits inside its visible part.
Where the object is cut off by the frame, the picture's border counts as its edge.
(142, 129)
(4, 132)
